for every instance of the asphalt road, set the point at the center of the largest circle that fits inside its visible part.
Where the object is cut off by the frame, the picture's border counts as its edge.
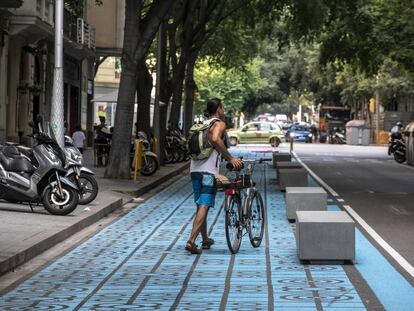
(380, 190)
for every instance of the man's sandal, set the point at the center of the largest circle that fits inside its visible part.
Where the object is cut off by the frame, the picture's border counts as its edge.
(207, 244)
(192, 248)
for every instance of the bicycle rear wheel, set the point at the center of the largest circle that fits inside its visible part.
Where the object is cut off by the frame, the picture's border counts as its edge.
(233, 228)
(257, 219)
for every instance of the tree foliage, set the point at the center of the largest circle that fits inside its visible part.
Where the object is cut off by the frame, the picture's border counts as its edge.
(233, 86)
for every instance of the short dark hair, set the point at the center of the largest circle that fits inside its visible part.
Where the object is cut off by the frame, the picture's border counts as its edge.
(212, 106)
(78, 127)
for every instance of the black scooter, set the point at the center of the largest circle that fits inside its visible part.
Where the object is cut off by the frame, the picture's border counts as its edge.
(397, 147)
(83, 177)
(38, 176)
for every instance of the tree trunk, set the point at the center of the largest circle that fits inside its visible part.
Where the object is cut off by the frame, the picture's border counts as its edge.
(177, 97)
(138, 36)
(190, 89)
(119, 162)
(164, 94)
(144, 88)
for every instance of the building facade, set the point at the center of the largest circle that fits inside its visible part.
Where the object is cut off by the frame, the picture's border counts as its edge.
(27, 62)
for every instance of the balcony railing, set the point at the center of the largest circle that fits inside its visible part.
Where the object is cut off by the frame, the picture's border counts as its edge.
(78, 30)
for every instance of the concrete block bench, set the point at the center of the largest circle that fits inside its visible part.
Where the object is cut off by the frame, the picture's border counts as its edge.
(292, 177)
(304, 199)
(287, 165)
(281, 157)
(325, 236)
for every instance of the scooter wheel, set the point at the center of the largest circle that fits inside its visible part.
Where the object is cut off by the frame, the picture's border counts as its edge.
(168, 157)
(57, 205)
(88, 188)
(181, 157)
(399, 157)
(149, 166)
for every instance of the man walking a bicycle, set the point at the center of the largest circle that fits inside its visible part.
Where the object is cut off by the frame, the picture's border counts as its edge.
(207, 146)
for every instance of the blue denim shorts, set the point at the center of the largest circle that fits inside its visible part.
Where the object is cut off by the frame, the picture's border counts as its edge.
(204, 187)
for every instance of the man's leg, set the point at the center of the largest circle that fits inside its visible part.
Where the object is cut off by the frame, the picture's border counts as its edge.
(203, 230)
(199, 220)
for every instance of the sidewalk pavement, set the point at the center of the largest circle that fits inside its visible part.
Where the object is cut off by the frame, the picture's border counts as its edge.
(139, 263)
(24, 235)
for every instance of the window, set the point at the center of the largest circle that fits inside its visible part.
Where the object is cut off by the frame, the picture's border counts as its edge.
(265, 127)
(251, 127)
(275, 127)
(392, 105)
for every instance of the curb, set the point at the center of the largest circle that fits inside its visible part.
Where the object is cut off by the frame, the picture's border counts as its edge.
(29, 253)
(159, 181)
(38, 248)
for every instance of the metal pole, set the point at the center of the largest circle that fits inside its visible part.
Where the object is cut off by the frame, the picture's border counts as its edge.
(156, 120)
(57, 96)
(377, 138)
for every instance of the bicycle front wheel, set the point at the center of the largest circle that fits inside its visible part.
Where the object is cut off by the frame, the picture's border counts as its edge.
(257, 219)
(233, 228)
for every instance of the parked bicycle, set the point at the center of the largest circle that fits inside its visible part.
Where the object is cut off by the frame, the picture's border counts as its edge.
(244, 208)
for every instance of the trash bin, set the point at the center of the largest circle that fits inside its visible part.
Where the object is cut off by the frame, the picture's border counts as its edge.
(358, 133)
(409, 139)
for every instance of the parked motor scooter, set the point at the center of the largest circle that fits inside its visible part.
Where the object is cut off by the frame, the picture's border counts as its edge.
(149, 159)
(170, 153)
(397, 147)
(39, 177)
(81, 176)
(338, 137)
(178, 144)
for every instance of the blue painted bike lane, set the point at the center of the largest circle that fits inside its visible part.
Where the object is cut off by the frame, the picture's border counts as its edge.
(139, 263)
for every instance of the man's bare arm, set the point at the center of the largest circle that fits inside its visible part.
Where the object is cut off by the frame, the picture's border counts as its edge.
(216, 140)
(217, 132)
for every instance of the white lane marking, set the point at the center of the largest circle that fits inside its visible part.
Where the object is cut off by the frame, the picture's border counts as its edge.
(391, 251)
(340, 200)
(320, 181)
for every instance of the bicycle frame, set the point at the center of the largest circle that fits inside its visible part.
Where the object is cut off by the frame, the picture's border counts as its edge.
(242, 191)
(245, 193)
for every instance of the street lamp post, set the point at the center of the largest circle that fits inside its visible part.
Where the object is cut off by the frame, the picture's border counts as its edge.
(57, 96)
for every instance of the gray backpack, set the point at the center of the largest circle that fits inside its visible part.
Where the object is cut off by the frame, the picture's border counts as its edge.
(199, 146)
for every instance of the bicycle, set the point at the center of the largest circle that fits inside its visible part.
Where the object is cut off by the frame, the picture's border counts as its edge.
(243, 205)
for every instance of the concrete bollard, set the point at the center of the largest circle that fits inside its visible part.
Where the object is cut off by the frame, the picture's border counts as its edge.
(281, 157)
(286, 165)
(304, 199)
(325, 236)
(292, 177)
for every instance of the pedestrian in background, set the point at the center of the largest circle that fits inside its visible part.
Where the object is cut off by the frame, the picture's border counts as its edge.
(79, 138)
(203, 174)
(314, 132)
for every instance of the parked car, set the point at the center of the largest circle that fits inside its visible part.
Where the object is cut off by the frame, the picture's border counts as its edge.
(285, 126)
(299, 132)
(257, 132)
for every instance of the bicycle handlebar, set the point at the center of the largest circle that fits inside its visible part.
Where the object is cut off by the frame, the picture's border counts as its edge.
(230, 167)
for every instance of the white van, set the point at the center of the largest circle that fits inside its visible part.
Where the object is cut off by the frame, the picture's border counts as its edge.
(281, 118)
